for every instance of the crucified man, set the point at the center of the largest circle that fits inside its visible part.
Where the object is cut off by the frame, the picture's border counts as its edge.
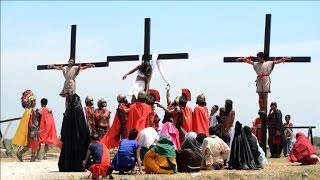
(263, 69)
(70, 73)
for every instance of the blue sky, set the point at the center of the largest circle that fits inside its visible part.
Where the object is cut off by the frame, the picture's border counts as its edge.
(35, 33)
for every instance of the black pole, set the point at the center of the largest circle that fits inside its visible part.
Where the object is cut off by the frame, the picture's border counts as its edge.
(147, 30)
(267, 35)
(73, 42)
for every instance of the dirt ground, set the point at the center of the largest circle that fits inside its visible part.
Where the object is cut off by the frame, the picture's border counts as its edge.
(48, 169)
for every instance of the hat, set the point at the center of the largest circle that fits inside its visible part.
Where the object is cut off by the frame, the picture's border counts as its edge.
(155, 93)
(186, 93)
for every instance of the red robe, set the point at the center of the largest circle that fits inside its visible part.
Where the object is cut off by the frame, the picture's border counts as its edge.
(112, 138)
(138, 116)
(47, 132)
(256, 128)
(187, 118)
(100, 169)
(301, 150)
(200, 120)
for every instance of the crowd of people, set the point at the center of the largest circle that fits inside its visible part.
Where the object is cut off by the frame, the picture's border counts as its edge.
(184, 140)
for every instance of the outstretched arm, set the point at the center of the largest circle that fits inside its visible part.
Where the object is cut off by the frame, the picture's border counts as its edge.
(168, 94)
(130, 72)
(245, 59)
(284, 59)
(55, 67)
(87, 66)
(165, 109)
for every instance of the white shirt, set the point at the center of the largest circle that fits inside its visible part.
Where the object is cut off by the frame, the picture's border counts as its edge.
(213, 120)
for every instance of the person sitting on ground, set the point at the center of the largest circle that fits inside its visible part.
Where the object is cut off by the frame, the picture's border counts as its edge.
(189, 158)
(214, 150)
(303, 151)
(97, 159)
(161, 159)
(147, 138)
(253, 145)
(200, 137)
(128, 154)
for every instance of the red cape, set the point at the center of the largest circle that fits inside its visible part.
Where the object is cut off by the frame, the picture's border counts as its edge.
(138, 116)
(187, 118)
(200, 120)
(48, 132)
(112, 138)
(301, 149)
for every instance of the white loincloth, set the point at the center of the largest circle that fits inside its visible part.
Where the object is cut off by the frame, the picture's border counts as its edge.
(136, 88)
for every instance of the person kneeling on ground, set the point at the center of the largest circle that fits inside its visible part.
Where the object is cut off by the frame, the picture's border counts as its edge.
(214, 150)
(303, 151)
(128, 154)
(189, 158)
(97, 159)
(161, 159)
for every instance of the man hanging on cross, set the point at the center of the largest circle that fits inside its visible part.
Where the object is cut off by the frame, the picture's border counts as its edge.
(263, 69)
(70, 73)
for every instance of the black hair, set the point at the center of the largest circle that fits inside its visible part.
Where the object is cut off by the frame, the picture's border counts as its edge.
(216, 106)
(288, 116)
(146, 68)
(200, 137)
(133, 134)
(213, 130)
(261, 55)
(44, 101)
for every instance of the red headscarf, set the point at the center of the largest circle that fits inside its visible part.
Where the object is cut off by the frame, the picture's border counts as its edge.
(301, 150)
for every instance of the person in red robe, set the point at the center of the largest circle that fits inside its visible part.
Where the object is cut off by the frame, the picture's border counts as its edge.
(152, 98)
(89, 111)
(256, 128)
(183, 115)
(303, 151)
(48, 132)
(139, 112)
(118, 129)
(200, 116)
(99, 162)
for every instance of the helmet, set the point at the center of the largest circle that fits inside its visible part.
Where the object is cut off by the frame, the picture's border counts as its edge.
(121, 97)
(88, 99)
(142, 95)
(201, 98)
(102, 103)
(28, 99)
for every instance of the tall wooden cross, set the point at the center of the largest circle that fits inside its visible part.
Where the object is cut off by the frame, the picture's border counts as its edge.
(267, 58)
(147, 56)
(73, 54)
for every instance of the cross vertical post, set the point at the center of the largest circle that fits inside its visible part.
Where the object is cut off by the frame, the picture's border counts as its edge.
(267, 58)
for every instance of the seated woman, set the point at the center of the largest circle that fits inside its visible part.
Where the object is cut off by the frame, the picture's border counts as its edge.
(147, 138)
(128, 154)
(303, 151)
(189, 158)
(172, 132)
(253, 143)
(161, 159)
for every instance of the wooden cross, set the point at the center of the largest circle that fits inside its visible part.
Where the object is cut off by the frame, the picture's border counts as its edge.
(73, 54)
(147, 56)
(267, 58)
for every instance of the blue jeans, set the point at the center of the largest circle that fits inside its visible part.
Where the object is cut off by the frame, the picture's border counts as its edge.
(287, 146)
